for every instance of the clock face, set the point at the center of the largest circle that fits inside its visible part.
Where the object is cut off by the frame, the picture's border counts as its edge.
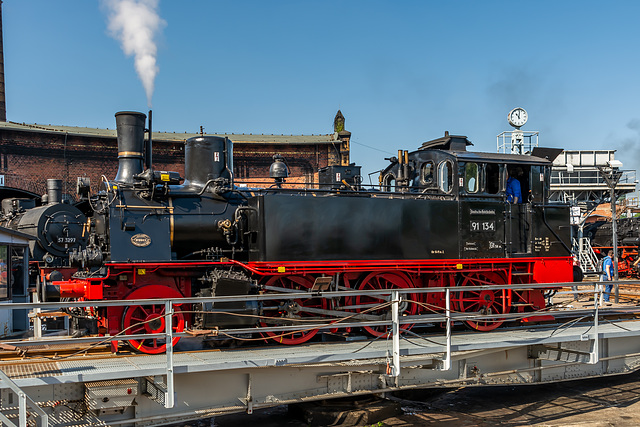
(517, 117)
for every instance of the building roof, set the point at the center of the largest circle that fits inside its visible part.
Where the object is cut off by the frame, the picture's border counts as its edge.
(172, 136)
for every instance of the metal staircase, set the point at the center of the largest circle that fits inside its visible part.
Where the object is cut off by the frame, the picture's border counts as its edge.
(586, 255)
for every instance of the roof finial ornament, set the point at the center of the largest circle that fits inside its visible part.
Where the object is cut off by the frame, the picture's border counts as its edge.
(338, 122)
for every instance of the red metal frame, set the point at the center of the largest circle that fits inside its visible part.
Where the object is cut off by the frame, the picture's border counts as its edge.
(124, 280)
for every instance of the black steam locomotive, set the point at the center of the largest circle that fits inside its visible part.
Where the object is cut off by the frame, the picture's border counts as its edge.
(600, 233)
(439, 218)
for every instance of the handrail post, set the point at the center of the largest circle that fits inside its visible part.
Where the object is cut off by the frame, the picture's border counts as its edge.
(395, 330)
(169, 401)
(447, 359)
(594, 356)
(22, 405)
(37, 321)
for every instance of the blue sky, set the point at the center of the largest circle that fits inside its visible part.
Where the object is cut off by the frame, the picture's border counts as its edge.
(401, 72)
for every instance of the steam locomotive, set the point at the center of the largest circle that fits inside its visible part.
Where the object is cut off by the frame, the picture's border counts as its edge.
(600, 233)
(439, 218)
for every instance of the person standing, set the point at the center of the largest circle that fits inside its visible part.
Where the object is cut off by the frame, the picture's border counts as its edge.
(607, 274)
(514, 192)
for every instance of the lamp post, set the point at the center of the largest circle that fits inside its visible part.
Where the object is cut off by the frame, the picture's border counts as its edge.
(611, 176)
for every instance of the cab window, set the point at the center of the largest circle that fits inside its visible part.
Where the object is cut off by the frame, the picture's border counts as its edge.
(445, 176)
(471, 178)
(427, 172)
(389, 182)
(493, 182)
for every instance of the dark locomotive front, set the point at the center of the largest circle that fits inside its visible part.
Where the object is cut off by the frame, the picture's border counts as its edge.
(58, 228)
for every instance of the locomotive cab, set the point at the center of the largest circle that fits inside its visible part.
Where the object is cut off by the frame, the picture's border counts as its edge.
(490, 223)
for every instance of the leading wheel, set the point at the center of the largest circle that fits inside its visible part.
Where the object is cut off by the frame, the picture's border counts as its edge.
(151, 319)
(484, 302)
(286, 312)
(368, 303)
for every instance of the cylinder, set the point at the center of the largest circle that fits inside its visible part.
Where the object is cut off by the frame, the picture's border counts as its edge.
(130, 129)
(54, 191)
(206, 158)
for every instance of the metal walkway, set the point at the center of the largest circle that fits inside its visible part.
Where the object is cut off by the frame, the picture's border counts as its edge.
(135, 389)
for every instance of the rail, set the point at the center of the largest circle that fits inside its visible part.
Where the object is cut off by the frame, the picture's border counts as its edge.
(394, 301)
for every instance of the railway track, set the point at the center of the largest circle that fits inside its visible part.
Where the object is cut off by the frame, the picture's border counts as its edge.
(35, 352)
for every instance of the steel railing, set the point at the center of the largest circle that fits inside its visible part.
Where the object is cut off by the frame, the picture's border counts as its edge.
(393, 297)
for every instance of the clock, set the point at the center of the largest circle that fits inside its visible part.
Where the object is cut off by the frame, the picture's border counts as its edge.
(517, 117)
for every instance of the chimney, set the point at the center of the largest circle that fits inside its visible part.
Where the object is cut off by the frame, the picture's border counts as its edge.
(3, 106)
(130, 131)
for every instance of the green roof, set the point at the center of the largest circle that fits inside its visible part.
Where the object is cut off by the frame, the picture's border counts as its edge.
(172, 136)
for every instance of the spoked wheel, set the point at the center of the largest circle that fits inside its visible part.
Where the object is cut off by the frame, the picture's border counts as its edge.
(385, 281)
(483, 302)
(150, 319)
(291, 310)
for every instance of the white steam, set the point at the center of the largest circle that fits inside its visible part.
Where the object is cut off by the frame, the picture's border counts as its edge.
(136, 23)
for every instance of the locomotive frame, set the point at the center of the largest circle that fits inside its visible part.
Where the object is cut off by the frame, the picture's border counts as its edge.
(439, 219)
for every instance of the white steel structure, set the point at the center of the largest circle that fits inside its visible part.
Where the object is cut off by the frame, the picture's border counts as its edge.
(517, 141)
(148, 390)
(576, 177)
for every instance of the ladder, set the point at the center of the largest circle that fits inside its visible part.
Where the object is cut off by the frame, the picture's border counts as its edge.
(588, 258)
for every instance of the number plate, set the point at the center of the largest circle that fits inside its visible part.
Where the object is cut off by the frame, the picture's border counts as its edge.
(483, 226)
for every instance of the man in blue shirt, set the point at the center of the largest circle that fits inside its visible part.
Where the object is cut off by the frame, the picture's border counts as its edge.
(514, 194)
(607, 274)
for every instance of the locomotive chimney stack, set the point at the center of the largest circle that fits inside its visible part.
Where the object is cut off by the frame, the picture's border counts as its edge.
(54, 191)
(130, 129)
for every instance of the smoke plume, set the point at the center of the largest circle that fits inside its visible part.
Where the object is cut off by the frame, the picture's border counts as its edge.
(136, 23)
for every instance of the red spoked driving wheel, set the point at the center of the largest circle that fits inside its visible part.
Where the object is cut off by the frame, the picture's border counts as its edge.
(368, 303)
(150, 319)
(484, 302)
(291, 310)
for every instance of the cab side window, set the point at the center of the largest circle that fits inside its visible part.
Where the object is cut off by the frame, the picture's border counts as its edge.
(427, 174)
(389, 182)
(471, 178)
(445, 176)
(492, 173)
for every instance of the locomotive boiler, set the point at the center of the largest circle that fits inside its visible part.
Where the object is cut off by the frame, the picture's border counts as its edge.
(57, 227)
(439, 218)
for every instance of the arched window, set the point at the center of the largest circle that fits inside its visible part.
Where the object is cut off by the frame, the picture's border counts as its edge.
(427, 174)
(471, 177)
(445, 176)
(389, 182)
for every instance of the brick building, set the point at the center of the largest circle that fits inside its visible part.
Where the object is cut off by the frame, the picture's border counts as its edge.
(30, 154)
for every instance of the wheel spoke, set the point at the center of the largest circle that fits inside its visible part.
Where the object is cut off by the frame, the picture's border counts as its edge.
(484, 302)
(375, 281)
(150, 318)
(301, 283)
